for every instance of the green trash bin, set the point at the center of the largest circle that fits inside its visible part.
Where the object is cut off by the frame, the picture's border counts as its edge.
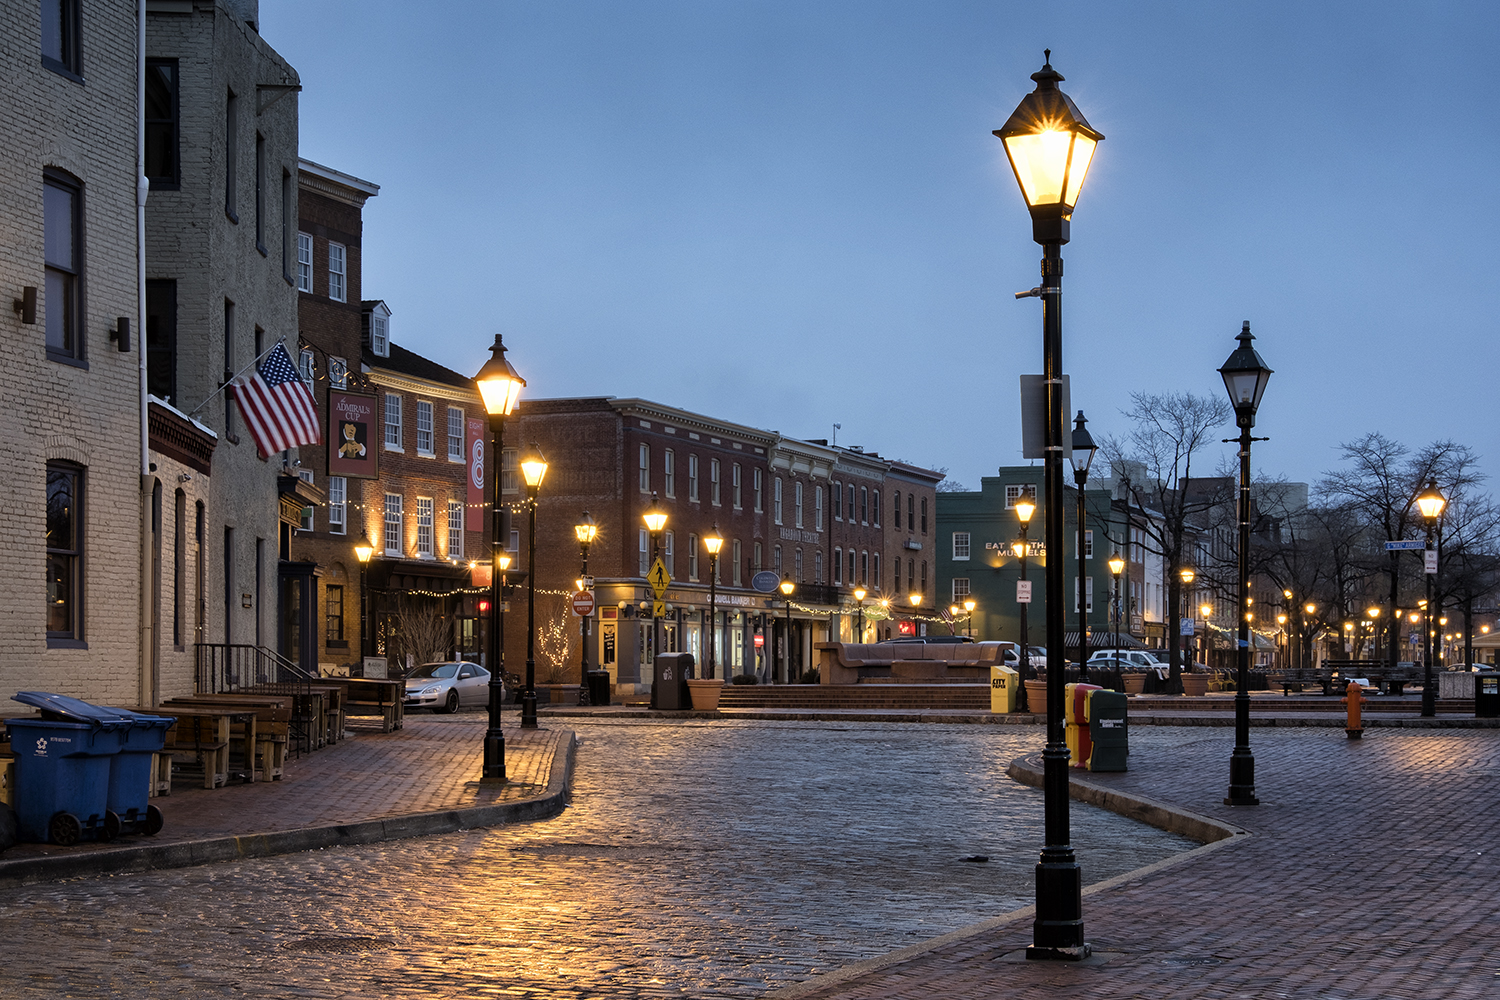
(1108, 731)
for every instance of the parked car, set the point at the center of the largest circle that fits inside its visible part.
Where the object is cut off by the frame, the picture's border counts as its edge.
(1131, 659)
(445, 687)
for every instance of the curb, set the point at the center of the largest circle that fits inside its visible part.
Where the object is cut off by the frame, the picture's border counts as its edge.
(1219, 720)
(197, 852)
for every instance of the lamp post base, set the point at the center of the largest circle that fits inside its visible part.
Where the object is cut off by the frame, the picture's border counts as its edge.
(1241, 779)
(494, 758)
(528, 709)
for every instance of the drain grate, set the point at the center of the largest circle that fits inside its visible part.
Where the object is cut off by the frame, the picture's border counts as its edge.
(338, 945)
(1189, 961)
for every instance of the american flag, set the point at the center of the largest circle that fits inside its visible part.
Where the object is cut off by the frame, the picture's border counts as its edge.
(277, 405)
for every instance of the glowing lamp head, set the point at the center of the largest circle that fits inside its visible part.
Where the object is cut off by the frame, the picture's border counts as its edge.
(860, 593)
(1430, 502)
(1018, 548)
(1187, 574)
(1025, 507)
(1310, 607)
(970, 604)
(1206, 610)
(364, 548)
(713, 541)
(1372, 612)
(1116, 565)
(503, 560)
(655, 517)
(915, 599)
(787, 586)
(533, 469)
(499, 384)
(586, 529)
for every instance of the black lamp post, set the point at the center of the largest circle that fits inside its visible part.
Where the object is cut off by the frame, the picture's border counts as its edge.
(1245, 376)
(1116, 567)
(969, 605)
(860, 594)
(1022, 548)
(589, 688)
(788, 588)
(656, 520)
(1431, 504)
(500, 387)
(713, 543)
(1187, 575)
(1083, 455)
(363, 550)
(533, 471)
(1050, 146)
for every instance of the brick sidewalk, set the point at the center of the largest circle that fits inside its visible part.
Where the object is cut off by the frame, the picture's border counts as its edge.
(1370, 873)
(371, 786)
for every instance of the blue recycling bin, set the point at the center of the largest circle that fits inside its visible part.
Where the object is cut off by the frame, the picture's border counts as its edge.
(83, 769)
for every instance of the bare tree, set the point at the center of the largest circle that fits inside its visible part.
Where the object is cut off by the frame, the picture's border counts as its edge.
(422, 630)
(1170, 432)
(554, 637)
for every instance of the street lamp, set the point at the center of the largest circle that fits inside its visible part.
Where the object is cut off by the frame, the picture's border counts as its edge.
(593, 689)
(1050, 147)
(1022, 548)
(1431, 503)
(1083, 454)
(1117, 567)
(499, 387)
(656, 520)
(1187, 576)
(788, 587)
(533, 471)
(860, 594)
(713, 542)
(1245, 376)
(969, 605)
(363, 550)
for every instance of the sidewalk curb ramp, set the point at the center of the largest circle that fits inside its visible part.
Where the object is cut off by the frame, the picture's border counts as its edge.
(148, 857)
(1211, 833)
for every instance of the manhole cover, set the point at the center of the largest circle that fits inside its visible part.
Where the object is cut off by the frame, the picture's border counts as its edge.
(338, 945)
(1204, 960)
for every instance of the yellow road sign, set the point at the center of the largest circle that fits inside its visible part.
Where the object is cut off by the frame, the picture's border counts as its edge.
(659, 578)
(658, 609)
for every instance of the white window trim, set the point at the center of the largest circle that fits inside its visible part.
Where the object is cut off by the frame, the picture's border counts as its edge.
(380, 334)
(393, 506)
(341, 272)
(338, 373)
(457, 456)
(431, 450)
(387, 424)
(425, 526)
(456, 529)
(304, 262)
(967, 546)
(338, 509)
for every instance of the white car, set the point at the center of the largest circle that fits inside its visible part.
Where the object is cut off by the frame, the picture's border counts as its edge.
(445, 687)
(1140, 659)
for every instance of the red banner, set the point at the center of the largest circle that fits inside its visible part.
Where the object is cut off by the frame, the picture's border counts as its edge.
(353, 449)
(476, 508)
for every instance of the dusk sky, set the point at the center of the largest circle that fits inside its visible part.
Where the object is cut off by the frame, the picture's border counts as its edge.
(791, 215)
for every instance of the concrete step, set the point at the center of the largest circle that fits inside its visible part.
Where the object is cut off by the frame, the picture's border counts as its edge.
(865, 696)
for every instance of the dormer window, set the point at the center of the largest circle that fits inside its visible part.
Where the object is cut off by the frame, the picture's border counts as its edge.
(378, 330)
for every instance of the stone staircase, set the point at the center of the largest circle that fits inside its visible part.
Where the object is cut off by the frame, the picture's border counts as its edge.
(974, 697)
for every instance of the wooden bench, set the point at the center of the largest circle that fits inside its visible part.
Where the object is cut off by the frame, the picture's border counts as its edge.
(371, 696)
(200, 734)
(1295, 678)
(272, 723)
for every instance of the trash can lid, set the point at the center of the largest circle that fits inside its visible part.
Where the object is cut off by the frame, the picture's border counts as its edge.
(72, 709)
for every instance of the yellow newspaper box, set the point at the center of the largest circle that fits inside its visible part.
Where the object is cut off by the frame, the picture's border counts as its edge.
(1005, 689)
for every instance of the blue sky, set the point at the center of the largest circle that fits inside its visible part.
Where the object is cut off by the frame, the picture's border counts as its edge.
(792, 215)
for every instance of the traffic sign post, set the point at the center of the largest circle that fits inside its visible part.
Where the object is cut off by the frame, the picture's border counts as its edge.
(659, 578)
(1023, 591)
(1430, 562)
(658, 609)
(583, 603)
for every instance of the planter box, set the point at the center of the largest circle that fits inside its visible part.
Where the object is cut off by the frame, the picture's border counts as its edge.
(557, 694)
(1195, 685)
(1134, 683)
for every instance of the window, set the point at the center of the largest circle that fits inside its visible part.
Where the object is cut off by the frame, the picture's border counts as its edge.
(338, 498)
(161, 338)
(911, 575)
(229, 367)
(260, 193)
(758, 562)
(510, 480)
(875, 570)
(738, 555)
(776, 502)
(304, 262)
(851, 503)
(336, 274)
(455, 529)
(714, 495)
(1015, 491)
(850, 576)
(864, 567)
(1088, 543)
(818, 566)
(960, 545)
(669, 472)
(797, 502)
(338, 373)
(61, 37)
(161, 124)
(864, 505)
(63, 219)
(393, 524)
(392, 422)
(776, 559)
(424, 527)
(924, 578)
(231, 153)
(799, 576)
(692, 478)
(643, 463)
(380, 324)
(305, 365)
(838, 510)
(911, 516)
(924, 515)
(455, 434)
(817, 508)
(692, 557)
(179, 564)
(645, 552)
(1088, 586)
(333, 613)
(960, 589)
(896, 509)
(838, 565)
(759, 493)
(739, 500)
(669, 551)
(875, 507)
(424, 428)
(64, 552)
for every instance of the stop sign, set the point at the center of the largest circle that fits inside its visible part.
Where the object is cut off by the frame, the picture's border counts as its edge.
(583, 603)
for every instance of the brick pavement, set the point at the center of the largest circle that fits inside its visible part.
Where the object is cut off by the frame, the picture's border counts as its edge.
(1369, 872)
(370, 786)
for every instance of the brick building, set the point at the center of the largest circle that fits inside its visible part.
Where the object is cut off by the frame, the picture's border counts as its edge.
(71, 419)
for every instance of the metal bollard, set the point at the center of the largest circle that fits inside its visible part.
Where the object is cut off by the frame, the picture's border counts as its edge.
(1354, 699)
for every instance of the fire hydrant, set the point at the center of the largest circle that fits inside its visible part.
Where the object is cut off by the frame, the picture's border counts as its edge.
(1354, 695)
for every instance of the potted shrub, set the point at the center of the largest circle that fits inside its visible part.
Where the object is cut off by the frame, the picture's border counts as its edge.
(1194, 684)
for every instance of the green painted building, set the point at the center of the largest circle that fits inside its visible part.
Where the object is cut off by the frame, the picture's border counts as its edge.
(975, 557)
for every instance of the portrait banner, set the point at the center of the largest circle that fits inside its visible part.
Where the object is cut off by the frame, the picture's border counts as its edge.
(352, 452)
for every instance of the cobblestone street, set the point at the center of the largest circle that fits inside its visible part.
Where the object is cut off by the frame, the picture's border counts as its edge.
(715, 859)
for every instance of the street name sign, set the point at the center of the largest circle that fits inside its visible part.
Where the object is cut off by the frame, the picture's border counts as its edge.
(1406, 545)
(659, 578)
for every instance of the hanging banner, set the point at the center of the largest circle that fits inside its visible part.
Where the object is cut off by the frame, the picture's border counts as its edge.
(351, 442)
(475, 506)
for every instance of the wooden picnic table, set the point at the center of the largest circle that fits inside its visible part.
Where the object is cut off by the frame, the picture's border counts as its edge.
(380, 696)
(206, 732)
(273, 714)
(317, 708)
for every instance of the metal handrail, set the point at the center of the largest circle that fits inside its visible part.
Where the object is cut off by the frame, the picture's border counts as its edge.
(227, 668)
